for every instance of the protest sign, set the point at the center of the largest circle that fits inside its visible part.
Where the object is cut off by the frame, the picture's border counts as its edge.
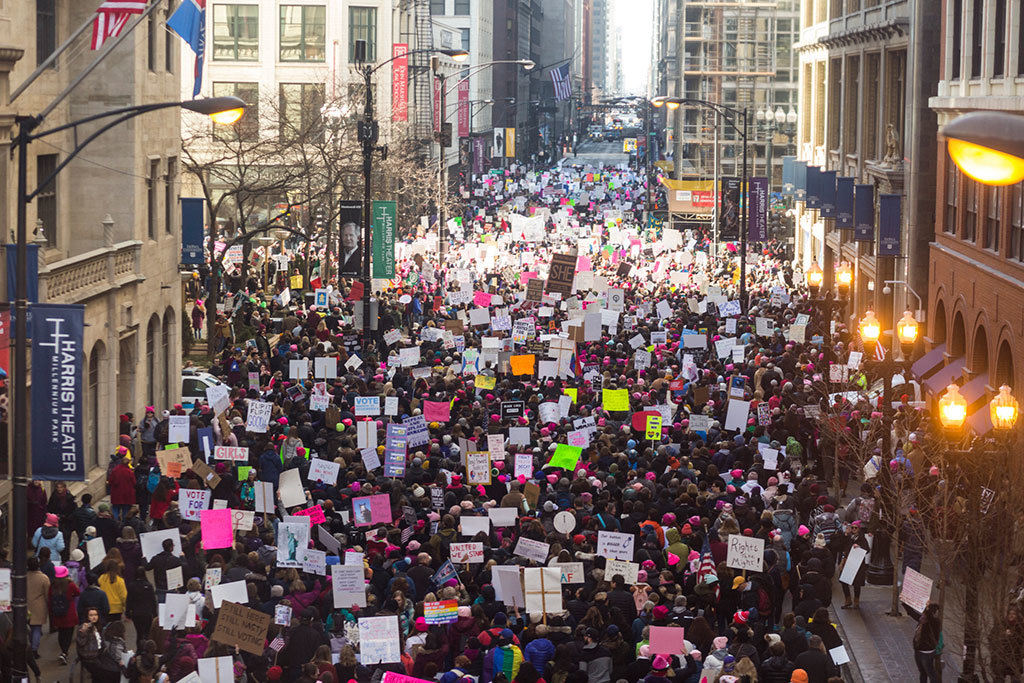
(443, 612)
(467, 553)
(241, 626)
(152, 542)
(917, 590)
(615, 544)
(533, 550)
(572, 572)
(667, 640)
(177, 429)
(745, 552)
(325, 471)
(854, 560)
(379, 641)
(348, 585)
(264, 496)
(234, 453)
(258, 418)
(478, 468)
(628, 570)
(289, 487)
(368, 510)
(471, 525)
(216, 529)
(542, 587)
(233, 591)
(193, 501)
(501, 517)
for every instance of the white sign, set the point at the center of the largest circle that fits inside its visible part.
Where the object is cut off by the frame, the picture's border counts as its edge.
(264, 491)
(533, 550)
(177, 429)
(467, 553)
(349, 586)
(572, 572)
(917, 590)
(745, 552)
(628, 570)
(234, 453)
(367, 406)
(854, 560)
(378, 640)
(616, 544)
(259, 417)
(191, 502)
(323, 470)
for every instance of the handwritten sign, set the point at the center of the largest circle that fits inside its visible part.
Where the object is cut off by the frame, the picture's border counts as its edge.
(234, 453)
(467, 553)
(617, 545)
(443, 612)
(241, 626)
(917, 590)
(745, 552)
(191, 502)
(258, 417)
(315, 514)
(533, 550)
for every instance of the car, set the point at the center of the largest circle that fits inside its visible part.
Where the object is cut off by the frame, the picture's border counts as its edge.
(193, 386)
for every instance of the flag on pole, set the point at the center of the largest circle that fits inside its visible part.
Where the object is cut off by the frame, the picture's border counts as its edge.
(189, 22)
(277, 644)
(111, 18)
(563, 84)
(706, 568)
(879, 351)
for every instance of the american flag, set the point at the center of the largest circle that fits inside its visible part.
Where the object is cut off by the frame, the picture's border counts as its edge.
(879, 351)
(707, 566)
(276, 644)
(562, 82)
(111, 18)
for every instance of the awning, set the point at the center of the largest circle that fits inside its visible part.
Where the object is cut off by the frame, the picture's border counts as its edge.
(975, 389)
(937, 382)
(928, 362)
(980, 421)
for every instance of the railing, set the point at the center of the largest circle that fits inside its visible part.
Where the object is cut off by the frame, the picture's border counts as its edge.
(75, 279)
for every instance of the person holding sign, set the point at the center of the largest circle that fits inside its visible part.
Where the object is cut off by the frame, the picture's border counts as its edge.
(852, 546)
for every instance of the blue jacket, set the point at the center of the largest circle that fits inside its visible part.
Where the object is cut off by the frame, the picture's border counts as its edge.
(539, 652)
(52, 539)
(270, 466)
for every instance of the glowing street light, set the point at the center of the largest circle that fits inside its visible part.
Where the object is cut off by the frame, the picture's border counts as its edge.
(870, 328)
(1003, 409)
(952, 408)
(988, 146)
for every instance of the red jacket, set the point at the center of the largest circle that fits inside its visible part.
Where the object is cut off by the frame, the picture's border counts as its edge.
(70, 618)
(122, 485)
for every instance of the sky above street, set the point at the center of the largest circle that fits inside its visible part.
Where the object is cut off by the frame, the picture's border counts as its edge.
(635, 17)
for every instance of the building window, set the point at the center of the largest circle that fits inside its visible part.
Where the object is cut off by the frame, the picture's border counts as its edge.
(303, 33)
(362, 25)
(999, 54)
(249, 125)
(46, 200)
(300, 105)
(992, 223)
(461, 6)
(171, 195)
(851, 86)
(465, 39)
(437, 6)
(152, 197)
(977, 36)
(169, 56)
(958, 23)
(869, 112)
(46, 29)
(835, 89)
(1017, 221)
(153, 27)
(236, 32)
(971, 213)
(952, 187)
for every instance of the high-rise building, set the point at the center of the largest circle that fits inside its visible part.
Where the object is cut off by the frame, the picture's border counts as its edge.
(975, 275)
(599, 50)
(108, 226)
(864, 84)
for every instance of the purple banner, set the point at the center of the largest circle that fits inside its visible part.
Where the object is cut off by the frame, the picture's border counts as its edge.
(889, 224)
(757, 218)
(479, 152)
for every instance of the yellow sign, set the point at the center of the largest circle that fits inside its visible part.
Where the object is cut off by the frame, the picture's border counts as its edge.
(615, 399)
(570, 392)
(628, 145)
(653, 427)
(510, 142)
(296, 282)
(484, 382)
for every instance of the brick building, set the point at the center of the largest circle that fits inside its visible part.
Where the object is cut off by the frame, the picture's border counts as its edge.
(976, 269)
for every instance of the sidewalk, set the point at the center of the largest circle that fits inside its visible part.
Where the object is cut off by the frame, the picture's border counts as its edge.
(879, 645)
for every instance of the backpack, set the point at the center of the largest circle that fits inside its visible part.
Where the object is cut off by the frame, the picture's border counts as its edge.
(59, 604)
(87, 644)
(153, 480)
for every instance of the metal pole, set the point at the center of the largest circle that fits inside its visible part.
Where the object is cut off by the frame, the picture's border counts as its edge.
(743, 219)
(442, 191)
(19, 459)
(369, 138)
(718, 197)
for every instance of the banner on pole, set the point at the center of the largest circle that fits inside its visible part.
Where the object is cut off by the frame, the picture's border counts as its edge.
(400, 82)
(58, 444)
(813, 196)
(510, 143)
(889, 224)
(864, 213)
(757, 217)
(827, 191)
(788, 176)
(844, 203)
(385, 215)
(350, 255)
(729, 210)
(463, 113)
(192, 210)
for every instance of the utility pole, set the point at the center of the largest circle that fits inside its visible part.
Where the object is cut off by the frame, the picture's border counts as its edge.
(677, 128)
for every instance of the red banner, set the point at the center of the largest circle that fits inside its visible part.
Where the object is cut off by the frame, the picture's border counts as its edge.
(400, 82)
(464, 108)
(437, 105)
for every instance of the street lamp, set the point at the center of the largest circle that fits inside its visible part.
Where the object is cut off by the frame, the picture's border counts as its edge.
(367, 133)
(952, 408)
(988, 146)
(814, 277)
(870, 328)
(1003, 409)
(220, 109)
(907, 329)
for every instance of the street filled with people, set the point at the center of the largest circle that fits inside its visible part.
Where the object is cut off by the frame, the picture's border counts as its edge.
(570, 451)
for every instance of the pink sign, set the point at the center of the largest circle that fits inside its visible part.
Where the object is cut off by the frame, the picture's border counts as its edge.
(583, 264)
(400, 82)
(482, 299)
(437, 411)
(392, 677)
(463, 111)
(372, 510)
(216, 529)
(526, 277)
(667, 640)
(315, 514)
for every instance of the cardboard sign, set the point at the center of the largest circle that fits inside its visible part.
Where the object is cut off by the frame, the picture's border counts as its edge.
(628, 570)
(854, 560)
(325, 471)
(745, 552)
(177, 456)
(152, 542)
(478, 468)
(241, 626)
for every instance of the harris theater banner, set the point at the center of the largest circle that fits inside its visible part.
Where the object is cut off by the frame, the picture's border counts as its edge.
(58, 443)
